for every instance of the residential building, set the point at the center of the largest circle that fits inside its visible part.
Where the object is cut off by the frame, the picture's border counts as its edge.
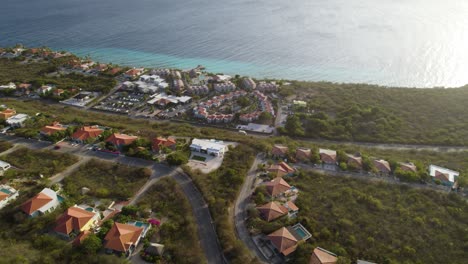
(17, 120)
(58, 92)
(160, 142)
(285, 239)
(408, 166)
(86, 133)
(279, 151)
(7, 113)
(54, 128)
(44, 89)
(123, 238)
(292, 208)
(224, 87)
(45, 202)
(80, 238)
(8, 86)
(328, 156)
(322, 256)
(446, 176)
(7, 194)
(178, 85)
(76, 220)
(4, 166)
(281, 169)
(198, 90)
(382, 166)
(354, 161)
(267, 87)
(155, 249)
(120, 140)
(272, 211)
(303, 154)
(210, 147)
(24, 88)
(134, 73)
(277, 187)
(161, 72)
(248, 84)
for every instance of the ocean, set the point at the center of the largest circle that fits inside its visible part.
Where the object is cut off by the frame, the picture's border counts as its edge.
(408, 43)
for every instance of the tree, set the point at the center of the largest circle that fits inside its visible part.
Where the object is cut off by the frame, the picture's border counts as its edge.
(265, 118)
(91, 244)
(176, 158)
(294, 126)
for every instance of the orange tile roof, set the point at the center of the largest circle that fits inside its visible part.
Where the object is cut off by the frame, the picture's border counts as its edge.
(408, 167)
(81, 237)
(328, 156)
(35, 203)
(280, 169)
(321, 256)
(355, 159)
(55, 127)
(283, 240)
(292, 206)
(163, 142)
(3, 196)
(279, 150)
(74, 218)
(303, 153)
(382, 166)
(87, 132)
(7, 113)
(122, 236)
(272, 211)
(121, 139)
(277, 186)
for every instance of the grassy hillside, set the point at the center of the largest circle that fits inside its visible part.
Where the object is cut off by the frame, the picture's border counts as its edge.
(380, 222)
(371, 113)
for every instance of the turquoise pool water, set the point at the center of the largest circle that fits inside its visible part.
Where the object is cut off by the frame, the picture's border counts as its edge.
(139, 224)
(300, 232)
(60, 198)
(89, 209)
(5, 191)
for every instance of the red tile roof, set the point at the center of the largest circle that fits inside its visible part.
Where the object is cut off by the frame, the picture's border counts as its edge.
(277, 186)
(163, 142)
(121, 139)
(283, 240)
(279, 150)
(87, 132)
(55, 127)
(121, 237)
(81, 237)
(321, 256)
(382, 166)
(292, 206)
(3, 196)
(73, 219)
(272, 211)
(35, 203)
(327, 156)
(303, 153)
(280, 169)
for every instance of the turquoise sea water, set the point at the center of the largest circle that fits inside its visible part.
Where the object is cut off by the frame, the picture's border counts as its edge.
(389, 42)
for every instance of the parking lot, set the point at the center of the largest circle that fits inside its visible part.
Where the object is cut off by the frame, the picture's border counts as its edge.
(121, 102)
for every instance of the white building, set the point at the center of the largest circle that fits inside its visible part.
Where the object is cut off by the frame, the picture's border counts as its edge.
(208, 146)
(4, 166)
(17, 120)
(446, 176)
(45, 202)
(8, 86)
(7, 194)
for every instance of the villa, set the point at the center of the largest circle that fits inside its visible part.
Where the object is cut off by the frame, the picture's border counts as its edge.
(7, 113)
(267, 87)
(133, 73)
(322, 256)
(17, 120)
(76, 220)
(44, 89)
(248, 84)
(272, 211)
(45, 202)
(382, 166)
(408, 166)
(224, 87)
(120, 140)
(303, 154)
(328, 156)
(8, 86)
(198, 90)
(277, 187)
(281, 169)
(86, 133)
(210, 147)
(7, 194)
(123, 238)
(160, 142)
(286, 239)
(446, 176)
(54, 128)
(279, 151)
(354, 161)
(4, 166)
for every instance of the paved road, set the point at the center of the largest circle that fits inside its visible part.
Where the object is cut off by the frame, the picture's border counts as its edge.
(206, 229)
(240, 210)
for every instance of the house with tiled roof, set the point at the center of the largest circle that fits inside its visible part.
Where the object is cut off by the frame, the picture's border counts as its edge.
(58, 92)
(408, 166)
(122, 238)
(292, 208)
(80, 238)
(86, 133)
(382, 166)
(322, 256)
(354, 161)
(45, 202)
(284, 240)
(133, 73)
(158, 143)
(120, 140)
(7, 113)
(303, 154)
(277, 187)
(279, 151)
(445, 176)
(328, 156)
(281, 169)
(272, 211)
(76, 220)
(52, 129)
(7, 194)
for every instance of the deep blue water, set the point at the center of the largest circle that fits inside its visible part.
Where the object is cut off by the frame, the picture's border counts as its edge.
(389, 42)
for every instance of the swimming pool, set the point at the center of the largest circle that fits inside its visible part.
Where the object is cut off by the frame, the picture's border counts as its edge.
(60, 198)
(5, 191)
(89, 209)
(302, 232)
